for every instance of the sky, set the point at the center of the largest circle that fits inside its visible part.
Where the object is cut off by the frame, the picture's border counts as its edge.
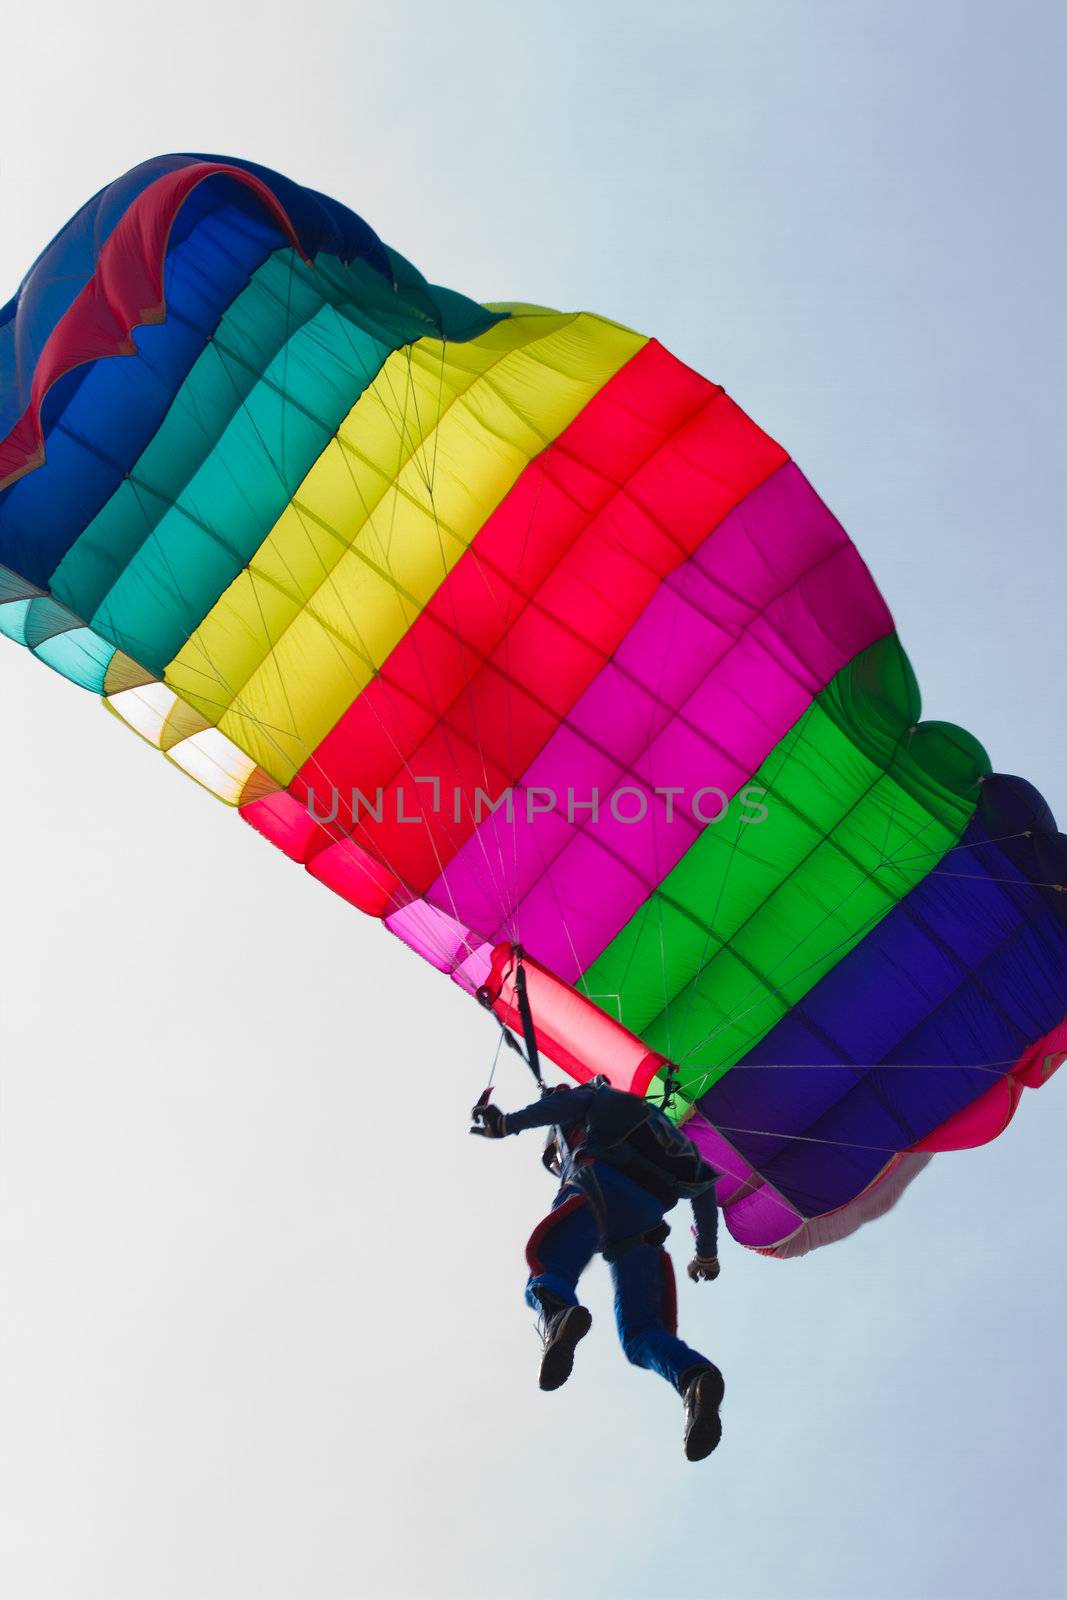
(262, 1332)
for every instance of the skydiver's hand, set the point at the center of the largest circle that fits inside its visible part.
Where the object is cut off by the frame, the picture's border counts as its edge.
(488, 1121)
(703, 1269)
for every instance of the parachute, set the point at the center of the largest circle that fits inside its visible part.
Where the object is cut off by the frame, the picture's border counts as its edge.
(520, 636)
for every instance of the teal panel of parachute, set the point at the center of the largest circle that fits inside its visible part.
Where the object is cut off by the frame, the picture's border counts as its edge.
(261, 403)
(76, 653)
(13, 619)
(80, 655)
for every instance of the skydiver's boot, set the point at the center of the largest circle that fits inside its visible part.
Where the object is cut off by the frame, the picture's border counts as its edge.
(561, 1326)
(702, 1390)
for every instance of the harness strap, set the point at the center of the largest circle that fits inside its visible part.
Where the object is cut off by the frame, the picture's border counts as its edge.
(653, 1236)
(533, 1059)
(531, 1054)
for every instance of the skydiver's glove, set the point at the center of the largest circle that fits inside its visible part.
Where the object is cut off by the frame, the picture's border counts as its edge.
(488, 1121)
(703, 1269)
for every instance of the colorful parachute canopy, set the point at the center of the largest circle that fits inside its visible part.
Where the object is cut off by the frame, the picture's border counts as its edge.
(510, 628)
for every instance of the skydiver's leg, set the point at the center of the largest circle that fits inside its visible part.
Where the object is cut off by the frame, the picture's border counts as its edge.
(646, 1312)
(559, 1250)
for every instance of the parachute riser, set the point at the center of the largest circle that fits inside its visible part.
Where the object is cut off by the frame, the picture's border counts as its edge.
(530, 1055)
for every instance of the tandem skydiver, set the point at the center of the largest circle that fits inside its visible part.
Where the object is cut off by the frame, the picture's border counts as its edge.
(621, 1164)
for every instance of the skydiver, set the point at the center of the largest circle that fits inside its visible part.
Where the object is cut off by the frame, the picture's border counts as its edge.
(621, 1164)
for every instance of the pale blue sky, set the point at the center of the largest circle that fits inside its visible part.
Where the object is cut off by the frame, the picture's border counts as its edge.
(235, 1360)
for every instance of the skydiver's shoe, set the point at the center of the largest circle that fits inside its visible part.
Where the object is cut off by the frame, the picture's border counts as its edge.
(703, 1397)
(561, 1327)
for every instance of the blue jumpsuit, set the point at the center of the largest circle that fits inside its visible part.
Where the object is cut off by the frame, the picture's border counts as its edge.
(600, 1209)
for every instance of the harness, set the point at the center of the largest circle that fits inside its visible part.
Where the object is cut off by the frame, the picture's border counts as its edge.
(623, 1130)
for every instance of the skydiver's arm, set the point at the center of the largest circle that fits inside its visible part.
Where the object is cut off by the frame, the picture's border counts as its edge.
(558, 1105)
(706, 1224)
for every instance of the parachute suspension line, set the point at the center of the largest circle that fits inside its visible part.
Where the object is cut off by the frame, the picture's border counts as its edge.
(740, 1010)
(508, 896)
(496, 1059)
(513, 909)
(687, 995)
(902, 747)
(980, 877)
(508, 875)
(214, 673)
(865, 875)
(428, 475)
(995, 1069)
(580, 981)
(408, 442)
(976, 844)
(909, 734)
(410, 399)
(809, 1138)
(666, 653)
(668, 1093)
(791, 747)
(655, 701)
(534, 836)
(848, 941)
(410, 396)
